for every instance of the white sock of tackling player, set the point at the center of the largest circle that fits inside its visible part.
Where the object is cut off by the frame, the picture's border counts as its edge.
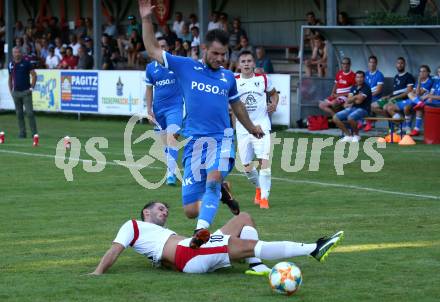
(172, 153)
(265, 182)
(253, 177)
(250, 233)
(282, 249)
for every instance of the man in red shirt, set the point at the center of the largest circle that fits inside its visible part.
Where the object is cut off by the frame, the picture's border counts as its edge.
(69, 61)
(345, 78)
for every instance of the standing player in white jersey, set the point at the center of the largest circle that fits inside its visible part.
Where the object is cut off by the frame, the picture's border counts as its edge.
(208, 90)
(252, 89)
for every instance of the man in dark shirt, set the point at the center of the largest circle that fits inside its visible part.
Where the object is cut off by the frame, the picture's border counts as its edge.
(357, 106)
(20, 87)
(84, 61)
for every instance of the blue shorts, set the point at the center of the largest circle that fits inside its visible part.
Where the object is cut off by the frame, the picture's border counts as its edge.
(402, 104)
(165, 118)
(352, 113)
(200, 158)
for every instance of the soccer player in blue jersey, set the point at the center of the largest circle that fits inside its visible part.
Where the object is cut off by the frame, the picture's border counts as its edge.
(375, 79)
(166, 110)
(422, 87)
(208, 89)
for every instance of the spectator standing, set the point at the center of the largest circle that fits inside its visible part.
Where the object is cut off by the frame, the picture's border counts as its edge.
(20, 87)
(89, 46)
(193, 21)
(343, 19)
(81, 29)
(185, 35)
(178, 23)
(89, 27)
(52, 60)
(74, 44)
(110, 28)
(235, 34)
(262, 62)
(53, 30)
(58, 46)
(224, 22)
(109, 53)
(215, 22)
(244, 45)
(85, 61)
(195, 35)
(309, 34)
(169, 35)
(417, 8)
(18, 30)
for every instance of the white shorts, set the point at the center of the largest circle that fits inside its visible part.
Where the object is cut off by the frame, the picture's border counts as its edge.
(249, 147)
(208, 258)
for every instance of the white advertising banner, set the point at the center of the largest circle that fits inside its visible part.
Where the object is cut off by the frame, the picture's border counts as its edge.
(282, 85)
(121, 92)
(6, 101)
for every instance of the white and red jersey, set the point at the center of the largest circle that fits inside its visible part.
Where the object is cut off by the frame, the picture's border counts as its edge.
(252, 94)
(145, 238)
(344, 81)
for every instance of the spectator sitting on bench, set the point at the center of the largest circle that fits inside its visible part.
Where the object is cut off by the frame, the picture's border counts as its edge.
(345, 78)
(357, 107)
(402, 84)
(318, 58)
(375, 79)
(423, 87)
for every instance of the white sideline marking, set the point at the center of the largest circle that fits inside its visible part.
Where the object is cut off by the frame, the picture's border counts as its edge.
(310, 182)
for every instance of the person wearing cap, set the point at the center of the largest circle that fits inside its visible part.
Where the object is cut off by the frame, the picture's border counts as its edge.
(20, 87)
(85, 61)
(89, 45)
(124, 40)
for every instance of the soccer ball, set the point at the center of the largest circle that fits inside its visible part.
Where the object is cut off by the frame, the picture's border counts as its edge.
(285, 278)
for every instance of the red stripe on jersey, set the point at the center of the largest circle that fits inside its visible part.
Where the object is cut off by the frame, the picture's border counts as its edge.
(184, 254)
(265, 79)
(237, 76)
(136, 232)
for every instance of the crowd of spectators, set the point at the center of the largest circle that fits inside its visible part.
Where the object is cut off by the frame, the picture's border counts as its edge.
(49, 44)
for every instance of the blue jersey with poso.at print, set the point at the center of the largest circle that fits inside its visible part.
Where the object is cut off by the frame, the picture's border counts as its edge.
(207, 94)
(167, 93)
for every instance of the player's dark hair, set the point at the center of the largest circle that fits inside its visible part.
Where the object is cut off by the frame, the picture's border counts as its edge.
(151, 204)
(372, 57)
(246, 52)
(426, 67)
(401, 59)
(310, 13)
(217, 35)
(162, 39)
(361, 72)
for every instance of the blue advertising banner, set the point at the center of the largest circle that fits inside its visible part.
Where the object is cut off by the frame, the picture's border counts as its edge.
(79, 91)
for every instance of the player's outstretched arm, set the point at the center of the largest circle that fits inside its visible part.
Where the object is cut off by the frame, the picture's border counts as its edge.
(109, 259)
(151, 46)
(242, 115)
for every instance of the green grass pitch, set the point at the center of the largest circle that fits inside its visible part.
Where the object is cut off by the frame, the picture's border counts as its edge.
(53, 232)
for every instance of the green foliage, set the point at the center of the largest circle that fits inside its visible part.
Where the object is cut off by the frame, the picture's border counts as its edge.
(386, 18)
